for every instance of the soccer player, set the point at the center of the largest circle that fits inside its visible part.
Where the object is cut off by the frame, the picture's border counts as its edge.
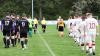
(35, 25)
(14, 30)
(24, 27)
(58, 20)
(30, 20)
(77, 21)
(6, 28)
(91, 31)
(61, 26)
(43, 22)
(81, 28)
(17, 29)
(69, 26)
(13, 33)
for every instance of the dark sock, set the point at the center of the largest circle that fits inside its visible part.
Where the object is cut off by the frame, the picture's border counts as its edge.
(13, 42)
(18, 40)
(22, 44)
(34, 31)
(4, 40)
(8, 43)
(26, 41)
(44, 31)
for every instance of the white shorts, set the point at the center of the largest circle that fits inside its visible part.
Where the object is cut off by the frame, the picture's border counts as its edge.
(77, 33)
(90, 38)
(82, 39)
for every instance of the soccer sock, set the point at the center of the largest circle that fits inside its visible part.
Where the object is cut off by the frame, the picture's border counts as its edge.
(93, 47)
(8, 43)
(22, 44)
(4, 40)
(90, 50)
(26, 41)
(87, 46)
(82, 46)
(13, 42)
(34, 31)
(18, 40)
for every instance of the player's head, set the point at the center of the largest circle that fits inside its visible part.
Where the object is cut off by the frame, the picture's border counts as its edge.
(18, 17)
(59, 17)
(7, 17)
(89, 15)
(83, 17)
(43, 18)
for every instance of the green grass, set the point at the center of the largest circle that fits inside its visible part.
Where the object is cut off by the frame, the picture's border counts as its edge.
(36, 47)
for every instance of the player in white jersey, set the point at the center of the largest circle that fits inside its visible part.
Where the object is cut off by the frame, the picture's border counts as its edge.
(82, 33)
(77, 20)
(91, 31)
(69, 26)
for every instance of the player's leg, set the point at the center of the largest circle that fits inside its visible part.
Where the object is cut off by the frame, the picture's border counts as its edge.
(87, 43)
(61, 29)
(13, 38)
(8, 39)
(93, 43)
(35, 28)
(43, 28)
(82, 42)
(22, 40)
(26, 40)
(30, 32)
(90, 45)
(4, 38)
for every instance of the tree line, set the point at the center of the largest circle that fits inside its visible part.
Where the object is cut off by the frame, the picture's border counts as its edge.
(50, 9)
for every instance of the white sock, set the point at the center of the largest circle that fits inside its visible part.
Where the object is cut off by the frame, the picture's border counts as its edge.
(87, 48)
(93, 47)
(90, 50)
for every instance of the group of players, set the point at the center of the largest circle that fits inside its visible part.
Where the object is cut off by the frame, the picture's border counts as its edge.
(16, 28)
(84, 30)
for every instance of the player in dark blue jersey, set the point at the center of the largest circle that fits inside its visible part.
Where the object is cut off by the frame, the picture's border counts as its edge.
(14, 30)
(17, 29)
(24, 27)
(6, 28)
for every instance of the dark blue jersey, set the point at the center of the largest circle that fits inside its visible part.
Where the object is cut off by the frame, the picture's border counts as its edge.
(24, 25)
(6, 24)
(15, 24)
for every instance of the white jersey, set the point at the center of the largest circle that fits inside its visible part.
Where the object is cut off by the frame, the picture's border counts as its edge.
(69, 22)
(91, 25)
(77, 22)
(82, 26)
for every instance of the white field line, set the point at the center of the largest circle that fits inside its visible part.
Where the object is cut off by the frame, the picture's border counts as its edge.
(46, 44)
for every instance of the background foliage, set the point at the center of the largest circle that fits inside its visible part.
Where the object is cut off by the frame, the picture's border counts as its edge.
(51, 9)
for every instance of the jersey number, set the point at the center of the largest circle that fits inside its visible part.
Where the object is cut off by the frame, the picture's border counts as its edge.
(23, 24)
(6, 22)
(92, 25)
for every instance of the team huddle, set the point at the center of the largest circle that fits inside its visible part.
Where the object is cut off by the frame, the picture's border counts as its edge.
(17, 29)
(84, 29)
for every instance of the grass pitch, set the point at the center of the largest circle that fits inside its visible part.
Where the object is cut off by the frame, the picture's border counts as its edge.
(47, 44)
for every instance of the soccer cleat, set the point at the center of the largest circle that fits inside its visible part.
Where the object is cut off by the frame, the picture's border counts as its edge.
(25, 46)
(87, 51)
(93, 53)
